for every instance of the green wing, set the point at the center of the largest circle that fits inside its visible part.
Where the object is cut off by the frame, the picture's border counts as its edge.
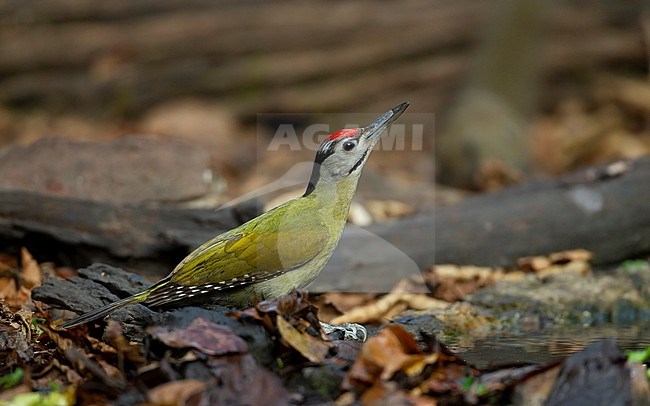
(269, 245)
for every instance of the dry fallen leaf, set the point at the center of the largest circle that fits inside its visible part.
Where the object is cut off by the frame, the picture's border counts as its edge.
(176, 392)
(344, 301)
(10, 292)
(385, 393)
(537, 387)
(310, 347)
(453, 282)
(633, 93)
(115, 337)
(409, 293)
(391, 365)
(382, 210)
(7, 263)
(384, 308)
(572, 261)
(333, 304)
(203, 335)
(31, 275)
(84, 362)
(16, 284)
(392, 350)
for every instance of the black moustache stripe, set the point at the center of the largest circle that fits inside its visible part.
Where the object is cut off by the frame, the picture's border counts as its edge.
(359, 162)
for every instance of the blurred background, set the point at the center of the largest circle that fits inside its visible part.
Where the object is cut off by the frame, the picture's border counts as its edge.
(123, 124)
(519, 89)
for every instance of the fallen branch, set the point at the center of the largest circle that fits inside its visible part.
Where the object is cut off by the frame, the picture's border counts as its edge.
(603, 210)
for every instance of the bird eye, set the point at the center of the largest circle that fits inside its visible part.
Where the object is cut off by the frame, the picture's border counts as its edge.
(349, 145)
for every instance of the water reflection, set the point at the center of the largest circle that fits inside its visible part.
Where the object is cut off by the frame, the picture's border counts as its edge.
(544, 346)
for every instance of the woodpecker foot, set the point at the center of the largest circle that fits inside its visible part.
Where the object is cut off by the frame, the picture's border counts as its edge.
(350, 331)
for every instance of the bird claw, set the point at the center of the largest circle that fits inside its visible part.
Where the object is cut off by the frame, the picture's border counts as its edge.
(351, 331)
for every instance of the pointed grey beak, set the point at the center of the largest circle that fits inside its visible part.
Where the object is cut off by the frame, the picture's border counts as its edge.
(378, 126)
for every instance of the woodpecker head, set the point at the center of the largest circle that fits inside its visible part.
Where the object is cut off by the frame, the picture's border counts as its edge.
(344, 153)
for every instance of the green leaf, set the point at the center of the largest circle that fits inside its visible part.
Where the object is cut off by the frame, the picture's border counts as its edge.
(638, 356)
(10, 380)
(37, 322)
(41, 399)
(467, 383)
(481, 389)
(635, 265)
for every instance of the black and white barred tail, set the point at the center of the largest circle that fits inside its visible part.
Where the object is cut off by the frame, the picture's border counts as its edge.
(103, 311)
(165, 291)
